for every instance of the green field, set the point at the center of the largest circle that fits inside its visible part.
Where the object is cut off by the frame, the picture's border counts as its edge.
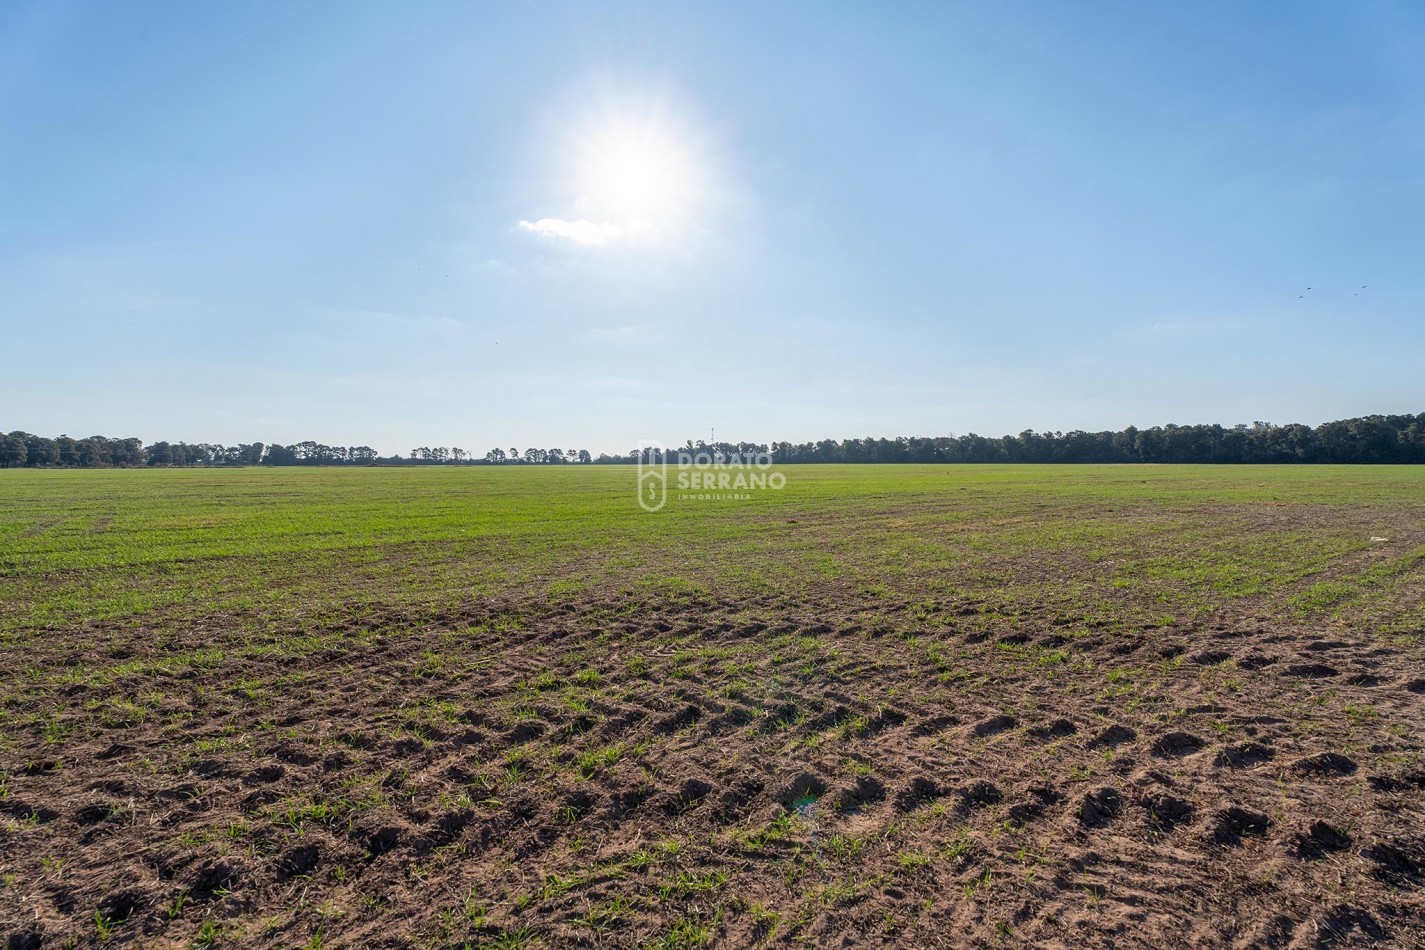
(445, 707)
(156, 546)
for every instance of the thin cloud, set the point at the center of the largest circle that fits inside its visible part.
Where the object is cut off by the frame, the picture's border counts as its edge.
(582, 231)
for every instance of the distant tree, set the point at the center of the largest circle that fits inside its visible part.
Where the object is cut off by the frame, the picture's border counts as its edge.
(253, 453)
(93, 452)
(41, 451)
(127, 452)
(13, 452)
(495, 456)
(68, 450)
(279, 455)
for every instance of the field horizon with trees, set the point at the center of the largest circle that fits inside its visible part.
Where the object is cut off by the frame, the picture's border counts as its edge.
(1375, 439)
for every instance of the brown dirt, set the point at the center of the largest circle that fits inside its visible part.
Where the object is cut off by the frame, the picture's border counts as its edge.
(823, 770)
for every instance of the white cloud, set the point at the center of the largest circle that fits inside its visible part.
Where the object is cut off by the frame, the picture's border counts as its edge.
(582, 231)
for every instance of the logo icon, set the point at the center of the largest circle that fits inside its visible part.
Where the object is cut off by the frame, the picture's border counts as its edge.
(652, 476)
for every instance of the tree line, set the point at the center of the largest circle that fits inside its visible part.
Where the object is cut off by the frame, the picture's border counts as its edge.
(26, 450)
(1398, 439)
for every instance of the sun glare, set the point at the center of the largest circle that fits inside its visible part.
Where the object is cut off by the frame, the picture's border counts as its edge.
(633, 171)
(636, 177)
(637, 169)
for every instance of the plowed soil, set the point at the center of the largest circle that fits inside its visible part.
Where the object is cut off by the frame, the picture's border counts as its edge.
(618, 772)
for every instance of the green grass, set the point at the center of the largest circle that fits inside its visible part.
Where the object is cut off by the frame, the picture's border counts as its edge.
(149, 546)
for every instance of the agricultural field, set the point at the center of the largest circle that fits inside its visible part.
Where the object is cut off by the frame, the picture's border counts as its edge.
(924, 706)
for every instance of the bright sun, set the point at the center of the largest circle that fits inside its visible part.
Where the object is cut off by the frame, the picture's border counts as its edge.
(640, 173)
(637, 179)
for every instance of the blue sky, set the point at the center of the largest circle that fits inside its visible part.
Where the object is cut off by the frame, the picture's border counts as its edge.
(516, 223)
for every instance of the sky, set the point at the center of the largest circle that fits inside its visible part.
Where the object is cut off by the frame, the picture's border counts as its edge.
(516, 223)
